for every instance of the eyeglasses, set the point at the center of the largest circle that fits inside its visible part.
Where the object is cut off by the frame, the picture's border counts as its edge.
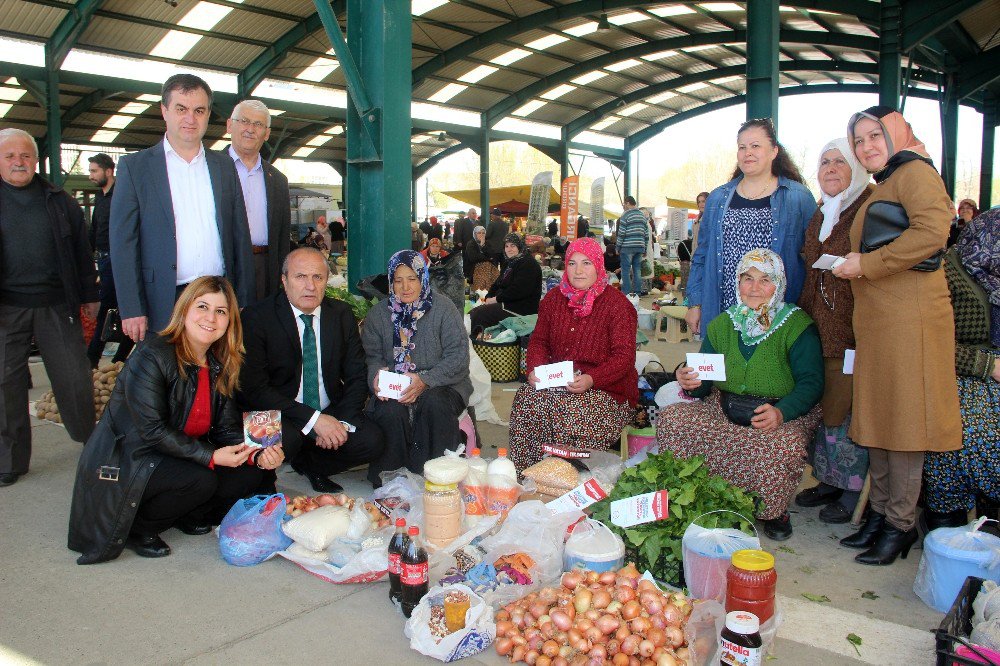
(255, 124)
(753, 122)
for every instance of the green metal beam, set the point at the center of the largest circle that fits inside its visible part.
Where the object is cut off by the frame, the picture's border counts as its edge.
(378, 199)
(986, 158)
(974, 74)
(949, 135)
(863, 9)
(763, 42)
(261, 66)
(645, 134)
(630, 146)
(923, 18)
(68, 32)
(421, 169)
(889, 60)
(484, 171)
(508, 104)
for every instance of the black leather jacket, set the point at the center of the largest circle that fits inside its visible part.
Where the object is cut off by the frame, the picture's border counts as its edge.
(143, 423)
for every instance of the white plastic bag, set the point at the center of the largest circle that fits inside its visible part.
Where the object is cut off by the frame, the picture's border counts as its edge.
(367, 566)
(479, 632)
(671, 393)
(533, 528)
(706, 555)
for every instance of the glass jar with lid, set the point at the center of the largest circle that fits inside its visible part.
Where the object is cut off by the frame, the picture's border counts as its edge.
(443, 511)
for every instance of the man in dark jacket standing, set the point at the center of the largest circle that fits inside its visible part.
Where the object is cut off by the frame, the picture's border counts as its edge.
(47, 273)
(495, 233)
(463, 230)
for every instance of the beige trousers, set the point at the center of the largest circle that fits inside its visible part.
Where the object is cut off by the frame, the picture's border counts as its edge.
(895, 485)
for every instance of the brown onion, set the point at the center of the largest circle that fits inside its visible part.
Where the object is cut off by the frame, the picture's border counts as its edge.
(582, 625)
(594, 635)
(630, 645)
(620, 659)
(658, 636)
(573, 635)
(630, 611)
(647, 586)
(504, 627)
(625, 581)
(640, 625)
(675, 637)
(571, 579)
(538, 609)
(652, 605)
(560, 661)
(592, 614)
(607, 578)
(582, 600)
(630, 571)
(646, 648)
(598, 652)
(601, 599)
(614, 606)
(550, 649)
(623, 632)
(667, 659)
(561, 620)
(531, 657)
(673, 615)
(518, 653)
(543, 661)
(634, 661)
(612, 647)
(658, 621)
(582, 645)
(517, 617)
(606, 623)
(624, 593)
(591, 577)
(519, 640)
(502, 615)
(503, 646)
(547, 628)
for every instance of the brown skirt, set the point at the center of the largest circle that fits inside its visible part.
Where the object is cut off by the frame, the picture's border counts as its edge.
(768, 464)
(484, 275)
(590, 420)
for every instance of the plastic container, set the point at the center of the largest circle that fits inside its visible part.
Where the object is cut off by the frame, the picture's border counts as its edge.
(639, 439)
(503, 489)
(443, 513)
(740, 643)
(591, 545)
(950, 556)
(750, 583)
(954, 631)
(475, 488)
(707, 555)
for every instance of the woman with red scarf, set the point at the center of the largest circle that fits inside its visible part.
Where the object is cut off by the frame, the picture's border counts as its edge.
(594, 327)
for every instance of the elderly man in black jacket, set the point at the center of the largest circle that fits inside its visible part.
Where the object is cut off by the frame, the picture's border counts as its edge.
(47, 272)
(304, 357)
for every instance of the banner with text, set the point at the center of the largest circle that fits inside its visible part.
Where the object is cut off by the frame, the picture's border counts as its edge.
(538, 204)
(568, 205)
(597, 202)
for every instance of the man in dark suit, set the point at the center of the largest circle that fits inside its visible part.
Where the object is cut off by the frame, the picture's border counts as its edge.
(495, 233)
(177, 214)
(265, 192)
(313, 369)
(463, 230)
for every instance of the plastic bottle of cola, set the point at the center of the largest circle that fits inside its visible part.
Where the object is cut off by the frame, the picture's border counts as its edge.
(396, 547)
(413, 577)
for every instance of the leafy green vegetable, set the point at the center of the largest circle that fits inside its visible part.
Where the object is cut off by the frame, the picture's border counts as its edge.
(855, 640)
(868, 594)
(359, 305)
(818, 598)
(693, 491)
(786, 549)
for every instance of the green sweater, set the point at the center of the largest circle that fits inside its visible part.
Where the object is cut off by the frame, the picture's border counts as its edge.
(787, 365)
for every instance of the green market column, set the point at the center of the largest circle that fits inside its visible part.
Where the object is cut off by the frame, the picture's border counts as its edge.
(762, 59)
(889, 62)
(986, 161)
(484, 172)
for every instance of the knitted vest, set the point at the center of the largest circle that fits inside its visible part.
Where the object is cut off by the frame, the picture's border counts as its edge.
(768, 372)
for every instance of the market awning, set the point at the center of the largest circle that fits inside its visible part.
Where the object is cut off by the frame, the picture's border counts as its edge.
(514, 199)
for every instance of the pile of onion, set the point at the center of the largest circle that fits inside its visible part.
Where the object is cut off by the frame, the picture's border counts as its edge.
(596, 619)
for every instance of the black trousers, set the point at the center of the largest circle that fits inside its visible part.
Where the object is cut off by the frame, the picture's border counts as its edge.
(416, 433)
(364, 445)
(60, 340)
(180, 489)
(484, 316)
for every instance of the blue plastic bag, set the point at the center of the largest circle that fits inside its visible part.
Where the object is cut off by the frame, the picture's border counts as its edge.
(251, 531)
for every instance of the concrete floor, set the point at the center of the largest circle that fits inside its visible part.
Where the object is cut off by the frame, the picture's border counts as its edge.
(193, 608)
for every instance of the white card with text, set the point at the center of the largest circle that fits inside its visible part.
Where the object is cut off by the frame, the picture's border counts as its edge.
(554, 374)
(828, 262)
(391, 384)
(708, 366)
(848, 361)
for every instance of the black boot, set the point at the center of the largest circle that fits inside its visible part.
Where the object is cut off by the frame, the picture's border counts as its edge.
(865, 537)
(891, 542)
(931, 520)
(988, 508)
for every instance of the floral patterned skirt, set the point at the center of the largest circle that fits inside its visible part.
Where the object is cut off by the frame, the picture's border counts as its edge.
(952, 479)
(590, 420)
(768, 464)
(484, 275)
(836, 460)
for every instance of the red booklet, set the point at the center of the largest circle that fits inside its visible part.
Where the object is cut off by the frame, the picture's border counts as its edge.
(262, 429)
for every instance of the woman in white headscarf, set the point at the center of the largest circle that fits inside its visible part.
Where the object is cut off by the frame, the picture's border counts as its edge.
(754, 430)
(838, 463)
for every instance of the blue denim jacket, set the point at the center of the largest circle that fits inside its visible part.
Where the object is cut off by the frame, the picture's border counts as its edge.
(792, 206)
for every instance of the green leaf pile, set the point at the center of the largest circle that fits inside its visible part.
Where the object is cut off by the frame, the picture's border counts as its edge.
(359, 305)
(693, 491)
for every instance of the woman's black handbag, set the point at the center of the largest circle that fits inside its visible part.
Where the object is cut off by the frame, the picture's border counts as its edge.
(884, 222)
(649, 384)
(112, 330)
(739, 409)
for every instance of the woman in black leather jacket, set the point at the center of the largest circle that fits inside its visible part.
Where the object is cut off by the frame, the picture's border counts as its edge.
(169, 450)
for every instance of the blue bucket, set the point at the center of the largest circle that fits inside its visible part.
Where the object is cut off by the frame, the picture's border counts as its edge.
(948, 565)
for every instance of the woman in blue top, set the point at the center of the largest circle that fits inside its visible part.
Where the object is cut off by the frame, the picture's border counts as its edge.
(765, 205)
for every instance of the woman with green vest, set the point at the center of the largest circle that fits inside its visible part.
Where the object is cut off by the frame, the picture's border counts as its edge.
(753, 430)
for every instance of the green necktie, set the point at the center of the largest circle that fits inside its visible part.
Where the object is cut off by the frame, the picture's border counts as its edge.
(310, 364)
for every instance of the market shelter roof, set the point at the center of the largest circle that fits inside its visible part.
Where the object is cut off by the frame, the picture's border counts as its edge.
(595, 71)
(514, 200)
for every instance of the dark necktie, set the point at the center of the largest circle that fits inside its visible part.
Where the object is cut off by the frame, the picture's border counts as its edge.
(310, 364)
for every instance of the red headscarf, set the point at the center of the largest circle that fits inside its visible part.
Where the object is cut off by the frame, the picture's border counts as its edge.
(581, 301)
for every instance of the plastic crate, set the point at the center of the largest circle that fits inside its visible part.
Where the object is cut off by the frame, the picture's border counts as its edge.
(957, 625)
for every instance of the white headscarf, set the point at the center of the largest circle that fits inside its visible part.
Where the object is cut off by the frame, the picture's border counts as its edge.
(832, 206)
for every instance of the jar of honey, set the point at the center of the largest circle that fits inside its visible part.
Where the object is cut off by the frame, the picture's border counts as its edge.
(750, 583)
(443, 510)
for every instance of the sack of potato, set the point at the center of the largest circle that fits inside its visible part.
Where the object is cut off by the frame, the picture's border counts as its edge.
(104, 381)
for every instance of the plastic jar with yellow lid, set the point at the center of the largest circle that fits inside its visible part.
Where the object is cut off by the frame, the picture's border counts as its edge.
(750, 583)
(443, 511)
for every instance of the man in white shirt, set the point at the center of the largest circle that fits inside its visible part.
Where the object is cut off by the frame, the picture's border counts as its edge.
(265, 191)
(317, 377)
(177, 214)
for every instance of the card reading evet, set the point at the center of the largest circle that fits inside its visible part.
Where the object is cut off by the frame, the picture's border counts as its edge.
(708, 366)
(391, 384)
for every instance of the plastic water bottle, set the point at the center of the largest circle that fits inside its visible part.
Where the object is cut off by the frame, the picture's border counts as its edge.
(475, 488)
(503, 487)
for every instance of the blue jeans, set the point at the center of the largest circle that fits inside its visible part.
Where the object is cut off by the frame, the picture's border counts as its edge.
(631, 272)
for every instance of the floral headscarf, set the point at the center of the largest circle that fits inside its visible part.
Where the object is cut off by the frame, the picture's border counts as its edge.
(903, 145)
(979, 248)
(755, 325)
(406, 315)
(832, 206)
(581, 301)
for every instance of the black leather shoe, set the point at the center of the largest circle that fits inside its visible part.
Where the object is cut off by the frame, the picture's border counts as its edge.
(148, 546)
(931, 520)
(891, 542)
(818, 496)
(193, 528)
(865, 537)
(8, 479)
(778, 529)
(319, 483)
(834, 513)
